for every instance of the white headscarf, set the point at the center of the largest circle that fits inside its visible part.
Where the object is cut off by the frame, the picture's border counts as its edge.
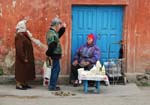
(21, 26)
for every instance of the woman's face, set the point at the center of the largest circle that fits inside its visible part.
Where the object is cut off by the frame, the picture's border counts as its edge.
(89, 40)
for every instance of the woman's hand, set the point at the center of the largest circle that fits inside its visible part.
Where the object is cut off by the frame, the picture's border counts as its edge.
(75, 63)
(85, 63)
(25, 60)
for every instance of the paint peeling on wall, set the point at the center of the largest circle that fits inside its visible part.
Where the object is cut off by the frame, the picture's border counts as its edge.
(6, 58)
(10, 58)
(1, 14)
(14, 3)
(40, 12)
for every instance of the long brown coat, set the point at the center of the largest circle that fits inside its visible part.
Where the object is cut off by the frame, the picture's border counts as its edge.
(24, 71)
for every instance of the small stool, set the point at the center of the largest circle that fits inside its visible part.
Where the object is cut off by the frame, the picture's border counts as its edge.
(85, 84)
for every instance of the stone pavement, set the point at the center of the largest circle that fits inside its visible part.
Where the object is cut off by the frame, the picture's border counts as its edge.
(128, 94)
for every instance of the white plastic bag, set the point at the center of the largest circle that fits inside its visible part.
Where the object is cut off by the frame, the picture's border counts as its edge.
(46, 74)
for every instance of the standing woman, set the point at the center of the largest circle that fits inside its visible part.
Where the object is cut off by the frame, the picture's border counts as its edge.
(24, 60)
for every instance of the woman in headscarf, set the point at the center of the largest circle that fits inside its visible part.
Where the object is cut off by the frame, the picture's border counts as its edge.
(85, 57)
(24, 59)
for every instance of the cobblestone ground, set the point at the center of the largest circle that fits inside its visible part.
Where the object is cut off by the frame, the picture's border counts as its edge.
(128, 94)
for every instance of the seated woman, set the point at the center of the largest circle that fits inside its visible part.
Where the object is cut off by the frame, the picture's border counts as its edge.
(85, 57)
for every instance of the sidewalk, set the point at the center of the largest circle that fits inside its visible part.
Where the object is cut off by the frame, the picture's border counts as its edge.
(41, 91)
(128, 94)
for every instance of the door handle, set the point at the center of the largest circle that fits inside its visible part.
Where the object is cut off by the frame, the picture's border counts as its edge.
(99, 36)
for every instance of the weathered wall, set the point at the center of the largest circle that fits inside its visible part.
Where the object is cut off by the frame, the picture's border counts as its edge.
(142, 38)
(40, 12)
(136, 35)
(135, 31)
(99, 2)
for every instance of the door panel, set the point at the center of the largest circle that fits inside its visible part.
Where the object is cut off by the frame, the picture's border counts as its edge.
(104, 21)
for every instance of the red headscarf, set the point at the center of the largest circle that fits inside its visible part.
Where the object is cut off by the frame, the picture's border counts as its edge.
(91, 36)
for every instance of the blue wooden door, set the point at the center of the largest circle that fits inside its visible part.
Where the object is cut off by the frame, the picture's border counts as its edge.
(104, 21)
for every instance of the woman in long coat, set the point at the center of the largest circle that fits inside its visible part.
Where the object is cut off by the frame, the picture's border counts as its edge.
(24, 62)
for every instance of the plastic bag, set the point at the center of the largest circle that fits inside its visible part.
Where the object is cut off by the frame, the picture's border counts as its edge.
(46, 72)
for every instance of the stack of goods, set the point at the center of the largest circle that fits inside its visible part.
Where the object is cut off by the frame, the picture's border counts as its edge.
(97, 69)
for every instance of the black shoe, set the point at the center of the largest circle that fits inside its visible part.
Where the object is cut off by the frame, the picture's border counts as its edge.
(75, 85)
(55, 89)
(27, 86)
(21, 88)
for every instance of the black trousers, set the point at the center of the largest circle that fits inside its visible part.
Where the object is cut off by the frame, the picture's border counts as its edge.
(74, 71)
